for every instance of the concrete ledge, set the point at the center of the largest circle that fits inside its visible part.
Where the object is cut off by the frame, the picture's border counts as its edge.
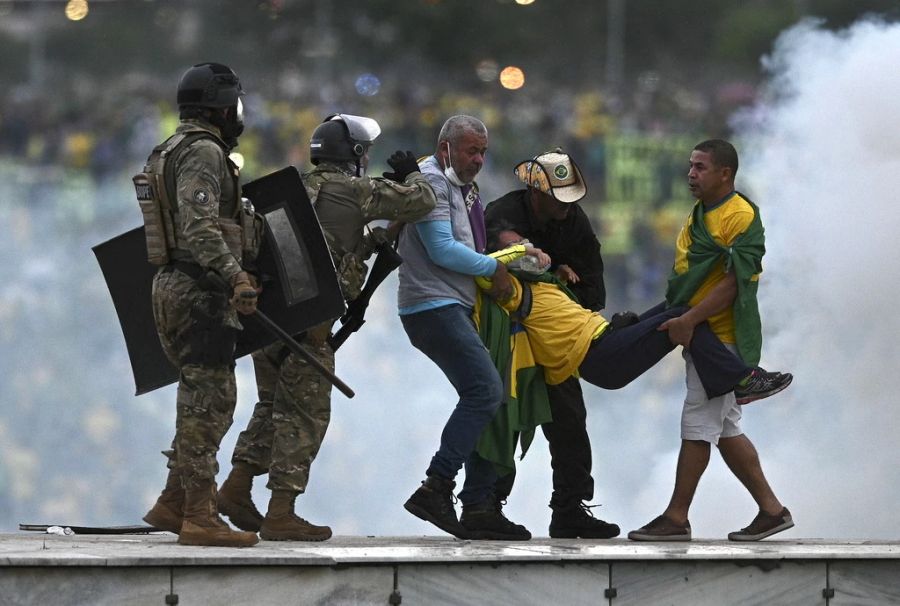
(161, 549)
(53, 570)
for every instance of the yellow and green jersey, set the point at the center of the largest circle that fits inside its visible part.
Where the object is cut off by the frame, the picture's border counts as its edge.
(714, 241)
(559, 329)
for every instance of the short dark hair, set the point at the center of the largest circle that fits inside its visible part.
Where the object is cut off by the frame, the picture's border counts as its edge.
(493, 234)
(722, 153)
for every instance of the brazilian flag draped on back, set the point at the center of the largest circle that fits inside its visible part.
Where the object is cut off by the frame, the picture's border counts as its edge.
(526, 405)
(744, 257)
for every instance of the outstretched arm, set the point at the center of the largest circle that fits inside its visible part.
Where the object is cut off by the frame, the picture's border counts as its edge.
(516, 251)
(444, 250)
(510, 254)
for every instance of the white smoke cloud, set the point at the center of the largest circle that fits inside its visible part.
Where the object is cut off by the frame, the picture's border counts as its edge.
(822, 157)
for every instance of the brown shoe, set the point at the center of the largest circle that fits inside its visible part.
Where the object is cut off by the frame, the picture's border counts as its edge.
(292, 528)
(214, 534)
(763, 525)
(662, 528)
(202, 524)
(282, 524)
(163, 517)
(168, 511)
(234, 499)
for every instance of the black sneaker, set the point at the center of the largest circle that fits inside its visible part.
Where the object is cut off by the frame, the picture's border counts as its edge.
(763, 525)
(579, 523)
(485, 521)
(762, 384)
(433, 502)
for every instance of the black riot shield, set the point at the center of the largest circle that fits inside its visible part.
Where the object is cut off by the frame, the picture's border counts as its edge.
(300, 287)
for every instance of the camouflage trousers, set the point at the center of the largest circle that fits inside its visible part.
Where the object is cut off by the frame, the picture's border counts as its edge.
(294, 409)
(197, 330)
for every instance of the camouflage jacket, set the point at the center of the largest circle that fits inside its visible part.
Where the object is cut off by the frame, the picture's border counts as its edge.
(207, 187)
(345, 204)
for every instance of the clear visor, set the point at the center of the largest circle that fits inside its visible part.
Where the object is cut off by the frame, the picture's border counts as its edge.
(361, 128)
(239, 114)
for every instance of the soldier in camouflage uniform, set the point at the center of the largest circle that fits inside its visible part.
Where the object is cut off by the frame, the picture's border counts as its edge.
(294, 408)
(197, 323)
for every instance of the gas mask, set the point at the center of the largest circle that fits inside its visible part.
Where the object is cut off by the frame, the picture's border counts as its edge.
(233, 125)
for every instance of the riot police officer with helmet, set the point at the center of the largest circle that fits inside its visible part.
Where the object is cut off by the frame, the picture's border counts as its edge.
(294, 409)
(197, 226)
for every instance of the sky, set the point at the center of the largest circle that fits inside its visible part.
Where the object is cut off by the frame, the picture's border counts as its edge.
(820, 155)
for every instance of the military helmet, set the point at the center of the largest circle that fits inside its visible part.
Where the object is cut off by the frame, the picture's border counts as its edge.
(209, 85)
(342, 138)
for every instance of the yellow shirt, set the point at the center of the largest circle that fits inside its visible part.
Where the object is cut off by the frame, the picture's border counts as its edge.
(725, 222)
(559, 329)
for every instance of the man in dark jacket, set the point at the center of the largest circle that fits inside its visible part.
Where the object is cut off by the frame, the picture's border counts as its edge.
(546, 212)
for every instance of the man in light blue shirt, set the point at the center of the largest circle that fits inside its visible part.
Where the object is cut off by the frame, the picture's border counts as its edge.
(442, 252)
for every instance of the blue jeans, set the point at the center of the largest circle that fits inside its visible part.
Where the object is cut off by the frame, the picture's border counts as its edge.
(448, 337)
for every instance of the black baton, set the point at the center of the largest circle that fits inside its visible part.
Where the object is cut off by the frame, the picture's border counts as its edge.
(217, 281)
(298, 349)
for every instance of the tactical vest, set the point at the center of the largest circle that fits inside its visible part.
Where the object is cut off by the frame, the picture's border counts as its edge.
(343, 224)
(156, 192)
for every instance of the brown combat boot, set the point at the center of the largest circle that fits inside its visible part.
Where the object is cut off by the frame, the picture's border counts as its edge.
(281, 524)
(234, 499)
(168, 511)
(202, 524)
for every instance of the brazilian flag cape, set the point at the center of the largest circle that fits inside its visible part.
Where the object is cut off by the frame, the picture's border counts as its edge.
(526, 405)
(744, 257)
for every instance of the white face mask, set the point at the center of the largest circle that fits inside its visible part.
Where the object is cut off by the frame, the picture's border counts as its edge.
(450, 173)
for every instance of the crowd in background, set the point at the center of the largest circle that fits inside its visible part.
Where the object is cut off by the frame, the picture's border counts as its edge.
(67, 150)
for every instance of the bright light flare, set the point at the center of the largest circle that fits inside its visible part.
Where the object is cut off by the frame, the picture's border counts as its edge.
(237, 158)
(512, 78)
(487, 70)
(76, 10)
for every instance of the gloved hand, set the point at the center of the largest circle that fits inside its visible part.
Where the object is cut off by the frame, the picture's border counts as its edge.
(244, 295)
(623, 319)
(403, 163)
